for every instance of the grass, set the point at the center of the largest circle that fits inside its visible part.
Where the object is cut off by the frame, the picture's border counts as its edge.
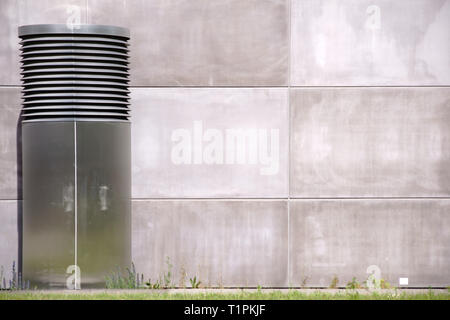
(235, 295)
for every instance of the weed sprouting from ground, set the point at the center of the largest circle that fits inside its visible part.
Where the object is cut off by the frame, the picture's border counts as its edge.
(334, 282)
(129, 279)
(16, 282)
(168, 276)
(195, 283)
(384, 284)
(354, 284)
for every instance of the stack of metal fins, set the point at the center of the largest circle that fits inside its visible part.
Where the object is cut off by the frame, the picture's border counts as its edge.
(74, 73)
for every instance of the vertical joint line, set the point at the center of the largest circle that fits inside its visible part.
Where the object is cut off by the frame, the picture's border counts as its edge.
(87, 12)
(289, 141)
(75, 202)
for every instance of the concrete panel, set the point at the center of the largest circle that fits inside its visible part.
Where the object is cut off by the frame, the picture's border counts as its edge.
(19, 12)
(9, 49)
(402, 238)
(9, 238)
(217, 142)
(222, 243)
(10, 151)
(203, 42)
(370, 42)
(370, 142)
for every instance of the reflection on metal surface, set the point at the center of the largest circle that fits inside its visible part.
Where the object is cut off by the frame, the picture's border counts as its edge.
(68, 198)
(76, 155)
(103, 194)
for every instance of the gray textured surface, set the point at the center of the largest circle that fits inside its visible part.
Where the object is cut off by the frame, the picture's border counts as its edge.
(344, 142)
(9, 142)
(203, 42)
(404, 238)
(9, 237)
(370, 142)
(229, 243)
(158, 113)
(370, 42)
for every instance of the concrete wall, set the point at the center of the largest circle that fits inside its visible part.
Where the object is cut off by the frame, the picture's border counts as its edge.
(275, 142)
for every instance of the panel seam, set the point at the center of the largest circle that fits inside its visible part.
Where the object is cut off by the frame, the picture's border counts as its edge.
(289, 144)
(75, 203)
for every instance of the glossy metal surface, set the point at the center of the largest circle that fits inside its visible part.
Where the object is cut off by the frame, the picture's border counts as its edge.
(91, 30)
(48, 202)
(90, 214)
(104, 206)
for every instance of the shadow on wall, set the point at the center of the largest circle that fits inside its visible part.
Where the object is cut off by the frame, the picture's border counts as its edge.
(19, 191)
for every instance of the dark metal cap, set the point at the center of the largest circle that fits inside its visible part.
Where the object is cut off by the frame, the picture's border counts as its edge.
(39, 29)
(77, 73)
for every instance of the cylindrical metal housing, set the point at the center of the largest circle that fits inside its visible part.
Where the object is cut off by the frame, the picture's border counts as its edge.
(76, 154)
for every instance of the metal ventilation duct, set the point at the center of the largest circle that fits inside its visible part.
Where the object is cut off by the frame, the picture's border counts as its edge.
(74, 73)
(75, 154)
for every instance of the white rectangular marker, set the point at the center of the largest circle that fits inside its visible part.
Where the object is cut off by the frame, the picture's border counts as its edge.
(403, 281)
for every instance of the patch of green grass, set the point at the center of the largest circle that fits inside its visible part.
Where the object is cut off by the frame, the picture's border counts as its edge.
(254, 295)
